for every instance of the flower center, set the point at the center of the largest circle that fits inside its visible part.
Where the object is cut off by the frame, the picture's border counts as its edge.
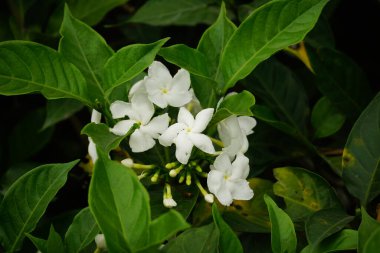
(188, 130)
(164, 91)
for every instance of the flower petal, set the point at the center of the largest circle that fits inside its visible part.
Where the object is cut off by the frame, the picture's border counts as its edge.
(122, 127)
(143, 108)
(158, 98)
(215, 180)
(185, 117)
(181, 81)
(223, 163)
(224, 196)
(159, 73)
(202, 119)
(240, 167)
(202, 142)
(138, 88)
(140, 142)
(183, 148)
(247, 124)
(120, 109)
(177, 99)
(156, 126)
(167, 138)
(92, 150)
(241, 190)
(96, 116)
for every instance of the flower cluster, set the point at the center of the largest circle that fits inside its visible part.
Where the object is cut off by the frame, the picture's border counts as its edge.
(145, 121)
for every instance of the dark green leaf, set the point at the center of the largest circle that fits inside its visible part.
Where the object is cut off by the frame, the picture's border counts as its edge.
(321, 35)
(326, 119)
(54, 242)
(228, 241)
(33, 192)
(116, 191)
(368, 227)
(13, 173)
(81, 232)
(59, 110)
(373, 242)
(40, 244)
(204, 89)
(27, 67)
(267, 30)
(283, 234)
(361, 170)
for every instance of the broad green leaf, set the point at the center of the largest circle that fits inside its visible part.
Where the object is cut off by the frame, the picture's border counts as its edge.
(235, 104)
(27, 67)
(304, 192)
(166, 226)
(267, 30)
(92, 11)
(116, 191)
(204, 90)
(33, 192)
(245, 10)
(81, 232)
(215, 38)
(13, 173)
(373, 242)
(54, 242)
(128, 62)
(283, 234)
(326, 119)
(187, 58)
(347, 239)
(361, 170)
(228, 241)
(324, 223)
(59, 110)
(39, 243)
(321, 35)
(340, 80)
(368, 227)
(195, 240)
(28, 128)
(175, 12)
(89, 58)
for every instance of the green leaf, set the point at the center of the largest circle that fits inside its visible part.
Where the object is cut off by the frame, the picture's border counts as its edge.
(373, 242)
(195, 240)
(33, 192)
(59, 110)
(128, 62)
(368, 231)
(361, 170)
(89, 58)
(175, 12)
(54, 242)
(13, 173)
(116, 191)
(347, 239)
(40, 244)
(27, 67)
(340, 80)
(92, 11)
(187, 58)
(326, 119)
(304, 192)
(228, 241)
(81, 232)
(267, 30)
(235, 104)
(324, 223)
(283, 234)
(215, 38)
(204, 89)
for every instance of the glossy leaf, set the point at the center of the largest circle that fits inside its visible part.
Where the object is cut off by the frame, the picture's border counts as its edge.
(54, 242)
(228, 241)
(326, 119)
(283, 234)
(373, 242)
(361, 170)
(304, 192)
(27, 67)
(26, 201)
(205, 90)
(59, 110)
(81, 232)
(324, 223)
(267, 30)
(128, 62)
(39, 243)
(368, 231)
(116, 191)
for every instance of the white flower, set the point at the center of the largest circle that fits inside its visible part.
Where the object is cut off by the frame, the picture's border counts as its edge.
(164, 90)
(228, 181)
(186, 133)
(169, 202)
(100, 242)
(95, 118)
(233, 132)
(209, 198)
(128, 162)
(139, 111)
(138, 89)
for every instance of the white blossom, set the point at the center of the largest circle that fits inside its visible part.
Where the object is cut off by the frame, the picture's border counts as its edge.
(100, 242)
(186, 133)
(139, 111)
(95, 118)
(227, 181)
(169, 202)
(164, 90)
(138, 89)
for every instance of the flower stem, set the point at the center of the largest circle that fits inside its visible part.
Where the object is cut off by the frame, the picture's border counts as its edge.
(217, 142)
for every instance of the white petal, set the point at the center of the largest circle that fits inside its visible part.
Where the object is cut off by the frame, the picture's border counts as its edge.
(167, 138)
(183, 148)
(100, 242)
(224, 196)
(202, 142)
(223, 163)
(240, 167)
(247, 124)
(202, 119)
(140, 142)
(169, 203)
(181, 81)
(185, 117)
(241, 190)
(96, 116)
(156, 126)
(177, 99)
(215, 180)
(160, 73)
(143, 108)
(92, 150)
(122, 127)
(158, 98)
(137, 88)
(120, 109)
